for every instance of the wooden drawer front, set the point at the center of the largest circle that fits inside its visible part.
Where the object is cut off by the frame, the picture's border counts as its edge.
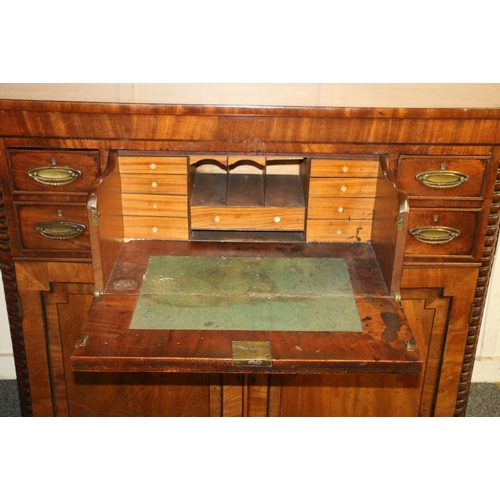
(463, 244)
(153, 164)
(52, 171)
(58, 221)
(155, 228)
(252, 218)
(325, 230)
(443, 177)
(344, 168)
(154, 184)
(322, 187)
(341, 208)
(155, 205)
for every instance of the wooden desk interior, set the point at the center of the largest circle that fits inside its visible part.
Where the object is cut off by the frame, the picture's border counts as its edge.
(400, 181)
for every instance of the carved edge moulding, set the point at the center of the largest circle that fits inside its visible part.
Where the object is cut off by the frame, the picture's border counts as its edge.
(14, 313)
(479, 300)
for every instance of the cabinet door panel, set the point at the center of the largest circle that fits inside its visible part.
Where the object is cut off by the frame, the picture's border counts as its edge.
(449, 296)
(437, 304)
(50, 298)
(350, 395)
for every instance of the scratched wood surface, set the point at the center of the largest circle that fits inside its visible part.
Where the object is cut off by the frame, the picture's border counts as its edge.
(382, 346)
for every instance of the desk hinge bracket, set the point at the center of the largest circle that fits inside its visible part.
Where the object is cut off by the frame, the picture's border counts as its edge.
(95, 214)
(246, 353)
(82, 340)
(400, 221)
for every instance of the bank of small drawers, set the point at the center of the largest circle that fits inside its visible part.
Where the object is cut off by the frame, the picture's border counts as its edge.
(50, 189)
(341, 200)
(443, 229)
(154, 197)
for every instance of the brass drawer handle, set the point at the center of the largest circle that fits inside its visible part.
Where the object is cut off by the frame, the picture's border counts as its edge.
(54, 176)
(60, 230)
(438, 179)
(434, 235)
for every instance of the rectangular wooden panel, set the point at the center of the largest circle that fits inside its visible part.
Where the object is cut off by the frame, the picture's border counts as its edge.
(445, 221)
(156, 205)
(341, 208)
(340, 231)
(472, 187)
(322, 187)
(30, 216)
(83, 164)
(155, 228)
(252, 218)
(344, 168)
(153, 164)
(154, 183)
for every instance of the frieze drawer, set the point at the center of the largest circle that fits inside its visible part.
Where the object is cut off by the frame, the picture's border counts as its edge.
(442, 232)
(443, 177)
(52, 171)
(61, 227)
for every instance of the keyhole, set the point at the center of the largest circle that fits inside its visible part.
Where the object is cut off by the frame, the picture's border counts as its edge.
(436, 218)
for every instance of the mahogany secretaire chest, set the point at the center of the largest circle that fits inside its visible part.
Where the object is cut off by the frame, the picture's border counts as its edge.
(247, 250)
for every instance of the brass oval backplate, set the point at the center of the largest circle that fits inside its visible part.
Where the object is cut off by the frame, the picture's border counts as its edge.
(60, 230)
(439, 179)
(54, 176)
(434, 235)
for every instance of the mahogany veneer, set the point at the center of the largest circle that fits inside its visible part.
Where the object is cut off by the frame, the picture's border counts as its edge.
(435, 158)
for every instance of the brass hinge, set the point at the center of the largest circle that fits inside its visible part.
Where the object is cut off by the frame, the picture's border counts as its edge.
(411, 345)
(246, 353)
(471, 315)
(400, 221)
(82, 340)
(95, 214)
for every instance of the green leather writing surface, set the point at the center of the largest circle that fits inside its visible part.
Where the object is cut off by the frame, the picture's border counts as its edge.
(239, 293)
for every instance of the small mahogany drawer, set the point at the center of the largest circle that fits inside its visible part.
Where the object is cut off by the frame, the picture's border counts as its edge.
(442, 232)
(61, 227)
(154, 183)
(322, 187)
(443, 177)
(52, 171)
(156, 205)
(338, 231)
(248, 218)
(153, 164)
(155, 228)
(344, 168)
(341, 208)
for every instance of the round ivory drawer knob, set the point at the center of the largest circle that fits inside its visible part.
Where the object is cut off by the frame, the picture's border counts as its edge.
(155, 229)
(277, 219)
(339, 231)
(152, 166)
(343, 189)
(341, 210)
(345, 169)
(154, 184)
(216, 218)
